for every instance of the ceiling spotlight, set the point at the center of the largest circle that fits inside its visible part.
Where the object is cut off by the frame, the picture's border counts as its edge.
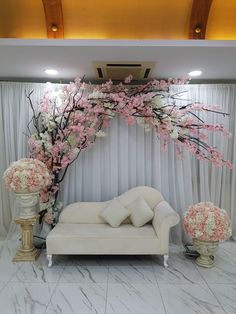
(195, 73)
(54, 28)
(197, 30)
(51, 72)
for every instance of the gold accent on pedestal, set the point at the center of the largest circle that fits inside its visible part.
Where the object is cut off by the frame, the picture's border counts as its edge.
(27, 252)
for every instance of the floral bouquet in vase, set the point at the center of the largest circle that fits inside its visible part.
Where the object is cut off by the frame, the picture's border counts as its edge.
(207, 224)
(27, 175)
(26, 178)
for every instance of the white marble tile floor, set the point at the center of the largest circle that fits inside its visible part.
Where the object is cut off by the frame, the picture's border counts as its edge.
(117, 284)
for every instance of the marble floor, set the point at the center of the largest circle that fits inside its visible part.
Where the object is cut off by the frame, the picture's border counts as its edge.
(117, 284)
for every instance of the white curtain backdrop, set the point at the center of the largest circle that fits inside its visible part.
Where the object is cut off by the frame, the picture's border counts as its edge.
(14, 117)
(126, 157)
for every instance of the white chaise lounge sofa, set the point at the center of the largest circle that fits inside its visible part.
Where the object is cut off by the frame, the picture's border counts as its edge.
(81, 230)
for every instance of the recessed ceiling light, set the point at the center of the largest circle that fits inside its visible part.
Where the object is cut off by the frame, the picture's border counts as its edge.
(51, 72)
(195, 73)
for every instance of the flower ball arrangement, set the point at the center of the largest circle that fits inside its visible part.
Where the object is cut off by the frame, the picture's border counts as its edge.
(27, 175)
(207, 222)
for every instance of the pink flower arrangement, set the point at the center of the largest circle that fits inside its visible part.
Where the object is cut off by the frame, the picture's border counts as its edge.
(207, 222)
(70, 120)
(27, 175)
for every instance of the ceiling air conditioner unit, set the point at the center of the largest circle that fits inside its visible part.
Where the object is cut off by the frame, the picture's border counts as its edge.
(120, 70)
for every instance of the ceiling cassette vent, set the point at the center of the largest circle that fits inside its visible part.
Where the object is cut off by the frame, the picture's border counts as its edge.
(120, 70)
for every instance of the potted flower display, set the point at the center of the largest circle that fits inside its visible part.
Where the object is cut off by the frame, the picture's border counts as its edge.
(26, 177)
(207, 224)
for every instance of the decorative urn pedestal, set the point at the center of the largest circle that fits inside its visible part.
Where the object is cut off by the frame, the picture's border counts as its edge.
(206, 249)
(206, 224)
(26, 177)
(28, 207)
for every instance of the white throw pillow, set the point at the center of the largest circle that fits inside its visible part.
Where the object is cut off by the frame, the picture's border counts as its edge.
(140, 212)
(114, 213)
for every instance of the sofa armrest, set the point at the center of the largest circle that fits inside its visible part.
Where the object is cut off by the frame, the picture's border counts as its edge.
(164, 218)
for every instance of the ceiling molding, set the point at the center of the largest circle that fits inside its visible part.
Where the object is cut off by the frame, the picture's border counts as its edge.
(54, 18)
(75, 58)
(199, 17)
(16, 42)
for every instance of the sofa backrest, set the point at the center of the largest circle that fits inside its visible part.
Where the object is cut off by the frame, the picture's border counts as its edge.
(88, 212)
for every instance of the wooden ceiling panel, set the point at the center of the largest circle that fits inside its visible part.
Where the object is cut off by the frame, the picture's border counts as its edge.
(106, 19)
(22, 19)
(222, 20)
(124, 19)
(199, 17)
(54, 18)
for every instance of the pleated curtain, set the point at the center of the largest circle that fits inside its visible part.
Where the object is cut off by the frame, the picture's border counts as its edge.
(127, 157)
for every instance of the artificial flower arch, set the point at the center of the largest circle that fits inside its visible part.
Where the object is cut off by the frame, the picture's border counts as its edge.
(70, 121)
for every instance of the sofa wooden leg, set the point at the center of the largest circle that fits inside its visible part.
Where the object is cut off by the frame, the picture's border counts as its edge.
(166, 256)
(49, 258)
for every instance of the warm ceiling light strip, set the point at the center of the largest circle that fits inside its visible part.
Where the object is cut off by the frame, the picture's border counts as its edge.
(54, 18)
(199, 17)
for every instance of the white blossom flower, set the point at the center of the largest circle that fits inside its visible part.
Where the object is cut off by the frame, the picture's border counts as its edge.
(58, 119)
(109, 105)
(111, 114)
(140, 121)
(96, 95)
(174, 134)
(51, 125)
(198, 234)
(100, 134)
(157, 102)
(166, 119)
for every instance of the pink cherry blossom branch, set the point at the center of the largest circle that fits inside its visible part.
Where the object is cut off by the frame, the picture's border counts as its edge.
(62, 133)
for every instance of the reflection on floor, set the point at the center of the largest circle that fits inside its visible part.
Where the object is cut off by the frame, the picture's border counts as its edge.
(117, 284)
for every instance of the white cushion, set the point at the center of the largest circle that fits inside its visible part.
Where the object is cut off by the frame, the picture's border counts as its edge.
(114, 213)
(151, 196)
(102, 239)
(140, 212)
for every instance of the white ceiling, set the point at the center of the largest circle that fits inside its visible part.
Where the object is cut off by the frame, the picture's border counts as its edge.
(27, 59)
